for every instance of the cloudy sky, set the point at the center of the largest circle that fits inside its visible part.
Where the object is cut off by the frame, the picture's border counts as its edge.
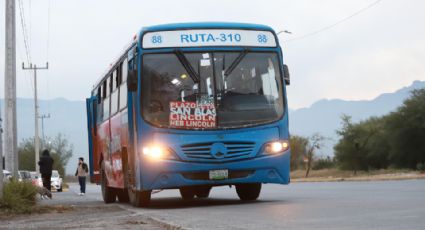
(379, 50)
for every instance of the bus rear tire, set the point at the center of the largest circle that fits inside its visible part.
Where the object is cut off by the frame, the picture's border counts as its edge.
(122, 195)
(203, 192)
(108, 193)
(187, 193)
(247, 192)
(139, 198)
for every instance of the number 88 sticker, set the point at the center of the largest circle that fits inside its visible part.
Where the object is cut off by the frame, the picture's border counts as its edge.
(262, 38)
(156, 39)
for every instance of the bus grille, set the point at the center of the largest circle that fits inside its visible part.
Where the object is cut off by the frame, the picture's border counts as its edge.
(218, 151)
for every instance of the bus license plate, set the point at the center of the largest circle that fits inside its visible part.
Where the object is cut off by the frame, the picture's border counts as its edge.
(219, 174)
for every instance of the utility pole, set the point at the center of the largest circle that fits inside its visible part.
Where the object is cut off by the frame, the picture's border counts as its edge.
(42, 117)
(1, 156)
(36, 138)
(11, 153)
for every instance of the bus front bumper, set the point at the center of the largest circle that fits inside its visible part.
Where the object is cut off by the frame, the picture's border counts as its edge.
(174, 174)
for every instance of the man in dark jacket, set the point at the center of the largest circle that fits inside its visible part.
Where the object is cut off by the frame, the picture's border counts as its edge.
(46, 164)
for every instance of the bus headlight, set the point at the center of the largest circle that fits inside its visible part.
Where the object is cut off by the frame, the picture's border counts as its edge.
(157, 152)
(276, 147)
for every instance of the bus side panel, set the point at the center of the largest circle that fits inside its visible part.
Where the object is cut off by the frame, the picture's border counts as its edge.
(97, 152)
(104, 142)
(124, 144)
(132, 159)
(117, 179)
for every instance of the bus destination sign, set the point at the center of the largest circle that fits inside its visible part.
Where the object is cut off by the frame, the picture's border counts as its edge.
(192, 115)
(209, 37)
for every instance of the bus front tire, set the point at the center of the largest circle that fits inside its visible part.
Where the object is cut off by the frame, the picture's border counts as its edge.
(108, 193)
(139, 198)
(187, 193)
(248, 192)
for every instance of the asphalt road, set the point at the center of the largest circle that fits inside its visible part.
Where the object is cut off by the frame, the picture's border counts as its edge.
(333, 205)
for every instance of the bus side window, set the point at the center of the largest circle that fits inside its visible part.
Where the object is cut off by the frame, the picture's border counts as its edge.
(99, 107)
(99, 95)
(119, 69)
(106, 103)
(123, 87)
(104, 90)
(109, 80)
(124, 70)
(114, 95)
(130, 64)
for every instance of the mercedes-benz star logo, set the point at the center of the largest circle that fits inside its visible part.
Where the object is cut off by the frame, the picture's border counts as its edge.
(218, 150)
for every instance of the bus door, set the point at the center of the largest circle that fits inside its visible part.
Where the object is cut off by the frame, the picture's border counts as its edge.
(91, 104)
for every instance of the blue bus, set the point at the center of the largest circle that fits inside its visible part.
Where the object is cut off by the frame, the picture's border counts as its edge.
(191, 106)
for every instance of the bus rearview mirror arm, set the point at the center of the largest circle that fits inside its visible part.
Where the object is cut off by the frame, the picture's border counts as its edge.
(132, 80)
(286, 75)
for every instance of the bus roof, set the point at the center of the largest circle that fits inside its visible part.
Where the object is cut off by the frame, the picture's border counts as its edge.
(204, 34)
(205, 25)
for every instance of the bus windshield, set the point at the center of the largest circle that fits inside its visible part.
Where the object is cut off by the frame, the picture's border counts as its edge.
(211, 90)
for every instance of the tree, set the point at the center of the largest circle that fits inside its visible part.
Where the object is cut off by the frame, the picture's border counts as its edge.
(60, 150)
(298, 151)
(26, 152)
(407, 128)
(315, 142)
(377, 148)
(395, 139)
(351, 150)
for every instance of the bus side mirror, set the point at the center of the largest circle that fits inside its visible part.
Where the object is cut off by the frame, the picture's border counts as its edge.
(286, 75)
(132, 80)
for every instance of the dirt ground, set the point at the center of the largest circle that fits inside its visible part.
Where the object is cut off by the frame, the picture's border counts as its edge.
(84, 217)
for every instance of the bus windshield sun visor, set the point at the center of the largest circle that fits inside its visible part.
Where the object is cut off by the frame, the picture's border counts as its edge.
(183, 60)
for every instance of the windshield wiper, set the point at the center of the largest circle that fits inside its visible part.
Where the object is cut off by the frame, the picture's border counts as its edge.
(183, 60)
(235, 63)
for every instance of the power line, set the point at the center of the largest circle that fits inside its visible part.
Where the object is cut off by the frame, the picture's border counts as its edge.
(47, 56)
(30, 24)
(48, 31)
(336, 23)
(25, 37)
(27, 78)
(24, 31)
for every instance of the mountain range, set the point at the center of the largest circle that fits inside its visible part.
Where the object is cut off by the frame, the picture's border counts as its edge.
(324, 116)
(69, 118)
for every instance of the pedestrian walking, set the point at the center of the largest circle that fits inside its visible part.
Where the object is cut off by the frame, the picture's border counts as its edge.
(81, 173)
(46, 164)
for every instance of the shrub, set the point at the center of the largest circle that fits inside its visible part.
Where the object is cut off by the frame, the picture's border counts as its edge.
(323, 163)
(18, 197)
(420, 167)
